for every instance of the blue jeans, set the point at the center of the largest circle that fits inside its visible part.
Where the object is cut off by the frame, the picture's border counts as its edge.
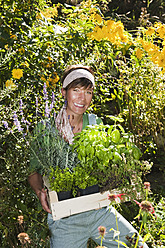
(74, 231)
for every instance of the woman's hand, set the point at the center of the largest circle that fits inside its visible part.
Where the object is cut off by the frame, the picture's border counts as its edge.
(36, 182)
(42, 195)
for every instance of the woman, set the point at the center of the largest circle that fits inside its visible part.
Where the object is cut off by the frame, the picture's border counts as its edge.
(74, 231)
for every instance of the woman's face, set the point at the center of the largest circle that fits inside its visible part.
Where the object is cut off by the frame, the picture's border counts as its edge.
(78, 99)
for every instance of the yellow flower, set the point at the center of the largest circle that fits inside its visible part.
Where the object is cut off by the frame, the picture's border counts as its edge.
(163, 71)
(87, 4)
(49, 58)
(150, 31)
(26, 64)
(161, 31)
(52, 81)
(56, 78)
(98, 18)
(112, 37)
(161, 58)
(105, 32)
(110, 24)
(92, 10)
(50, 12)
(17, 73)
(154, 58)
(124, 38)
(9, 84)
(119, 28)
(148, 46)
(139, 53)
(97, 34)
(13, 36)
(21, 50)
(43, 78)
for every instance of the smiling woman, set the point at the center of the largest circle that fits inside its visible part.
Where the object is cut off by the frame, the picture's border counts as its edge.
(78, 84)
(78, 99)
(74, 231)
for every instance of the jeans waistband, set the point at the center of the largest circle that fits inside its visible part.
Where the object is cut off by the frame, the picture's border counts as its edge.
(64, 195)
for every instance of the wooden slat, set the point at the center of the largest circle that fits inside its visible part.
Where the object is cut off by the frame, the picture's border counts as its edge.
(65, 208)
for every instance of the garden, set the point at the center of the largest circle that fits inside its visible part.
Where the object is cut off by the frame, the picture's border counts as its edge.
(38, 40)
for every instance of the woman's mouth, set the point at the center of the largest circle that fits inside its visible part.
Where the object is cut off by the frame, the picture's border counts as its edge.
(79, 105)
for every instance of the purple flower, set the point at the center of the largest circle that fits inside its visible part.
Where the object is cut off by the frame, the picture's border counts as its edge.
(45, 92)
(23, 119)
(17, 122)
(36, 105)
(47, 111)
(27, 122)
(36, 101)
(20, 107)
(5, 124)
(20, 104)
(24, 134)
(51, 105)
(27, 142)
(15, 115)
(53, 97)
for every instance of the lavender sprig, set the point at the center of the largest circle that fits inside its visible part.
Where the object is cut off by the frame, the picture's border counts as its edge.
(47, 110)
(17, 122)
(45, 92)
(36, 105)
(52, 103)
(20, 107)
(5, 123)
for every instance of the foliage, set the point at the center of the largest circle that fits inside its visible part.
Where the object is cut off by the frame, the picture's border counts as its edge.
(105, 152)
(107, 157)
(147, 222)
(135, 13)
(153, 232)
(35, 50)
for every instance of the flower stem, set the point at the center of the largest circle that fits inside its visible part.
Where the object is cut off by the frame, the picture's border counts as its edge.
(138, 235)
(101, 241)
(117, 226)
(146, 194)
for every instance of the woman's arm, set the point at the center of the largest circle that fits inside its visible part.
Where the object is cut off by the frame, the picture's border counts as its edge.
(36, 182)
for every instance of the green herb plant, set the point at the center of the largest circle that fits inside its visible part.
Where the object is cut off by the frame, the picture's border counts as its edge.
(106, 155)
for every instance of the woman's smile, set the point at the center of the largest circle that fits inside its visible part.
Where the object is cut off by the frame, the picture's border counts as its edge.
(79, 105)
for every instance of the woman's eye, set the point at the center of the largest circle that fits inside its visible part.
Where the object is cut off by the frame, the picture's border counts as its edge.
(89, 92)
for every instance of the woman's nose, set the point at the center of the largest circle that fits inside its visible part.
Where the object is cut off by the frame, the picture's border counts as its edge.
(82, 95)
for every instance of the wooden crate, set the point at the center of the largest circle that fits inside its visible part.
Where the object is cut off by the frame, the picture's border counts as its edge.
(65, 208)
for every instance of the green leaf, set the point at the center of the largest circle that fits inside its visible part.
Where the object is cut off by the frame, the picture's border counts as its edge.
(122, 243)
(115, 118)
(146, 237)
